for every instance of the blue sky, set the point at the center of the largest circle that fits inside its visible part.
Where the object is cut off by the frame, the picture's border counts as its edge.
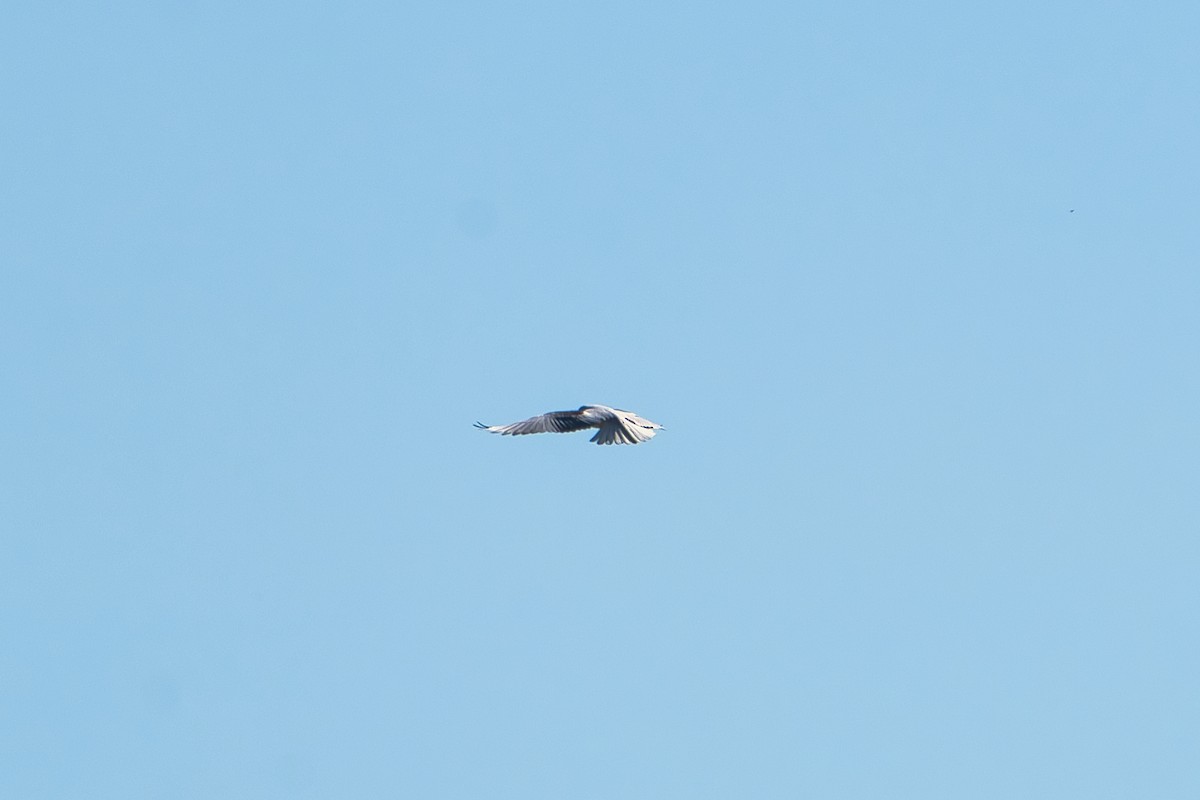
(913, 288)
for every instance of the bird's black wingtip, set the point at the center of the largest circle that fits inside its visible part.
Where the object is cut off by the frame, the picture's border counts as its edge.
(480, 425)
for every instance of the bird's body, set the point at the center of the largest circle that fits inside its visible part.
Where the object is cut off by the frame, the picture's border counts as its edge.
(615, 426)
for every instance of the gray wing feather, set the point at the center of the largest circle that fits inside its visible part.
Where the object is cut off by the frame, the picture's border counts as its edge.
(554, 422)
(617, 431)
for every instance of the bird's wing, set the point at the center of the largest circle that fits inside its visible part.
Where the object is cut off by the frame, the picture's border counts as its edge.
(554, 422)
(638, 422)
(617, 431)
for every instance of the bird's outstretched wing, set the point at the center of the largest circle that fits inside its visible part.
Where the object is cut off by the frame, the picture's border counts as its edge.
(554, 422)
(621, 431)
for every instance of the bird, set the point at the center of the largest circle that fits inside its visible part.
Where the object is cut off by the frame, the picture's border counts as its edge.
(615, 425)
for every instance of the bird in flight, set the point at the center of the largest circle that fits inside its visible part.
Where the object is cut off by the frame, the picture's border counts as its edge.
(615, 426)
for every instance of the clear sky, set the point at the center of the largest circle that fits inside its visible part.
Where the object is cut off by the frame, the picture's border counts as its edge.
(914, 287)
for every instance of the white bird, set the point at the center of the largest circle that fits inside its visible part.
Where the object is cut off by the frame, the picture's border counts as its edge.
(615, 426)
